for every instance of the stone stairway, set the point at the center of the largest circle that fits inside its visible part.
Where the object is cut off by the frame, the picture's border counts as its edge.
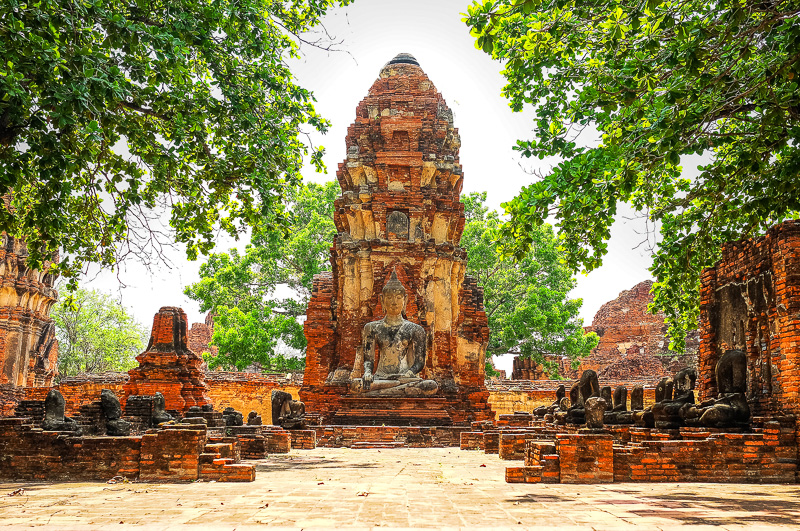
(220, 462)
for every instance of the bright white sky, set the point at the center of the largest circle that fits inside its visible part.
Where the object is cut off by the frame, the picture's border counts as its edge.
(372, 32)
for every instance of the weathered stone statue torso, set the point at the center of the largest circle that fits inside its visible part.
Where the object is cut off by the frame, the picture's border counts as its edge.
(400, 346)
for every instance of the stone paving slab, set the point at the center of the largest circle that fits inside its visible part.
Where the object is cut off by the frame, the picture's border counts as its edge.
(442, 488)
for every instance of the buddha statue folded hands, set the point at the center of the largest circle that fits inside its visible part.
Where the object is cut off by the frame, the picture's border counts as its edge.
(400, 346)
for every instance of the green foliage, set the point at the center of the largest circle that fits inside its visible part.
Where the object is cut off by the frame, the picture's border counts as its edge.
(527, 300)
(96, 334)
(111, 108)
(658, 80)
(490, 371)
(241, 288)
(247, 338)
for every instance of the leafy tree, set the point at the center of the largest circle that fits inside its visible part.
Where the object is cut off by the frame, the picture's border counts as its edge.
(526, 300)
(247, 338)
(111, 108)
(242, 288)
(659, 80)
(96, 334)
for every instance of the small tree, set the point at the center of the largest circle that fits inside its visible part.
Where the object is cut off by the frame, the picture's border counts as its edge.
(527, 300)
(96, 334)
(240, 288)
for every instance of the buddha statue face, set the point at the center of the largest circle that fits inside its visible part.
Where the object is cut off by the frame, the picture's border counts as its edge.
(393, 302)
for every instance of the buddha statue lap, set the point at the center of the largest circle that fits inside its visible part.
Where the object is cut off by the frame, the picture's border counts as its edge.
(401, 349)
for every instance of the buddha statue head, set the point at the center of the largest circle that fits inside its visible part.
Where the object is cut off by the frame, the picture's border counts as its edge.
(393, 296)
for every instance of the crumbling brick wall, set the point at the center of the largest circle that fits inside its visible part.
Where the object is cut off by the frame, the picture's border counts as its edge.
(244, 392)
(750, 300)
(200, 335)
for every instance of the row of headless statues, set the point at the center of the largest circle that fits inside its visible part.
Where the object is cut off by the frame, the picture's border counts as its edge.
(675, 405)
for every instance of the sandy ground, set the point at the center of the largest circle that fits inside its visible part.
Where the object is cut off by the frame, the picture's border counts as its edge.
(396, 488)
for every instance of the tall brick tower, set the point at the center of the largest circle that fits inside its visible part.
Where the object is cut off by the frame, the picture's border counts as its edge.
(399, 210)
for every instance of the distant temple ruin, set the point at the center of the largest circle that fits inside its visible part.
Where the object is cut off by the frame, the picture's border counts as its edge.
(633, 343)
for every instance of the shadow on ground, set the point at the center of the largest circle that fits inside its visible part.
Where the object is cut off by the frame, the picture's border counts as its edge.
(307, 463)
(689, 508)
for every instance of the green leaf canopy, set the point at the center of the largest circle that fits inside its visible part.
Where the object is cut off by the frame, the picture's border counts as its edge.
(658, 81)
(110, 108)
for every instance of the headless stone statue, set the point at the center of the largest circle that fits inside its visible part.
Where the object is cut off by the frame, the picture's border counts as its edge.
(619, 413)
(400, 345)
(160, 414)
(730, 408)
(595, 408)
(666, 414)
(663, 392)
(587, 387)
(605, 394)
(287, 413)
(232, 417)
(112, 410)
(254, 419)
(637, 398)
(54, 419)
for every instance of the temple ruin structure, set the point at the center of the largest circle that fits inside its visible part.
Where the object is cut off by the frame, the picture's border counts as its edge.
(399, 211)
(28, 345)
(168, 366)
(750, 301)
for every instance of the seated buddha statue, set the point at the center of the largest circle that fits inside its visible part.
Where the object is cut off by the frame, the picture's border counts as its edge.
(666, 413)
(730, 408)
(400, 347)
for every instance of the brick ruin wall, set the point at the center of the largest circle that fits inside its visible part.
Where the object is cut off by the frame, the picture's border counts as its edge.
(767, 454)
(247, 392)
(633, 343)
(200, 335)
(751, 301)
(178, 453)
(244, 392)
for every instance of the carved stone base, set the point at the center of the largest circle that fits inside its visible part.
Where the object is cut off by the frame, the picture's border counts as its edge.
(392, 412)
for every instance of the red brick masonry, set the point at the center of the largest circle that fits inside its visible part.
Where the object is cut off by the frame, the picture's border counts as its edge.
(178, 453)
(168, 366)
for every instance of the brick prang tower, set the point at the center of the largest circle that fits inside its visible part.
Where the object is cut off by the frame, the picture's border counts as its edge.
(399, 210)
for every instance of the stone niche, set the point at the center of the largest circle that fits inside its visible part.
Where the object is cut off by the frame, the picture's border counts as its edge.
(168, 366)
(399, 211)
(750, 300)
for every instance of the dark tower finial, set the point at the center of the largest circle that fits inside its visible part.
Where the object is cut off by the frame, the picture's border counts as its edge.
(403, 58)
